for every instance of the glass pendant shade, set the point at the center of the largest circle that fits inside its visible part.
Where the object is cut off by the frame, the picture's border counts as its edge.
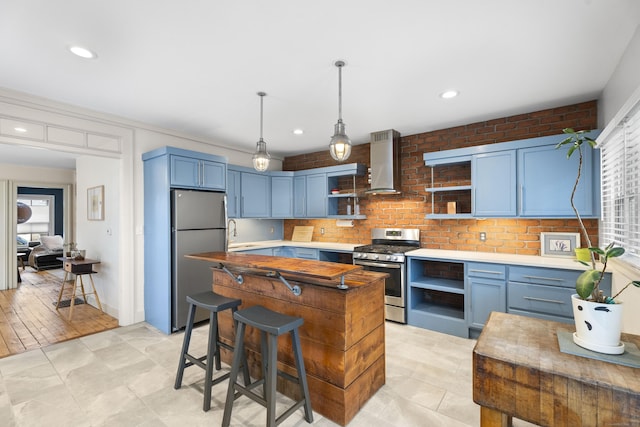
(261, 157)
(340, 145)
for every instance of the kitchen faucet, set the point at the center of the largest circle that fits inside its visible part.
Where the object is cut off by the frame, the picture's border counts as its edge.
(235, 229)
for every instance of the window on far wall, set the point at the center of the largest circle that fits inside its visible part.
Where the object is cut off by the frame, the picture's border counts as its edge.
(42, 218)
(620, 153)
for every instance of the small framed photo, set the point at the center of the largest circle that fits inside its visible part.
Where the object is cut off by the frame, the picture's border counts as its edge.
(559, 244)
(95, 203)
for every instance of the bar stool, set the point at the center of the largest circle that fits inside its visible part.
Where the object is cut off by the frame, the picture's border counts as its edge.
(271, 325)
(214, 303)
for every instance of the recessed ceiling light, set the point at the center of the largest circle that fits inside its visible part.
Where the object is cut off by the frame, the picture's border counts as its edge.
(19, 129)
(449, 94)
(298, 131)
(82, 52)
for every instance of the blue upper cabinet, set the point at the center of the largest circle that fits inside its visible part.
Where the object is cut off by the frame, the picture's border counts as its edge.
(526, 178)
(494, 184)
(299, 196)
(233, 193)
(547, 178)
(256, 195)
(316, 197)
(193, 172)
(282, 195)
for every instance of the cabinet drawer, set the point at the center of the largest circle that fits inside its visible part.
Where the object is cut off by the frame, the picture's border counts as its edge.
(553, 300)
(544, 276)
(306, 253)
(486, 270)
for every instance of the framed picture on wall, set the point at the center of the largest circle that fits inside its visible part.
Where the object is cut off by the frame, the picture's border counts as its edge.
(559, 244)
(95, 203)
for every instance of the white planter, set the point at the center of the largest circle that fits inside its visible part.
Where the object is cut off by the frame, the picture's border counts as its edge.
(598, 326)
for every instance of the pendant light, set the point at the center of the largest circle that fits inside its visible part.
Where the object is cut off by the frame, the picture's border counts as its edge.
(261, 157)
(340, 145)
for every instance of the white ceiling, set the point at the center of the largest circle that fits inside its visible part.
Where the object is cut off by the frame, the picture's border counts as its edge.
(195, 66)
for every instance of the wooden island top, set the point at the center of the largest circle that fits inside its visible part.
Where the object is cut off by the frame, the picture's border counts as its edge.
(288, 267)
(342, 338)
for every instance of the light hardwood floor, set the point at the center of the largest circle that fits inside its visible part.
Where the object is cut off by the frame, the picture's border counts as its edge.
(29, 320)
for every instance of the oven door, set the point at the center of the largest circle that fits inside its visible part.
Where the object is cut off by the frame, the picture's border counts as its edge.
(394, 285)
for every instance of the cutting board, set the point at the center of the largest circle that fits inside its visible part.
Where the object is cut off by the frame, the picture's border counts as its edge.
(302, 233)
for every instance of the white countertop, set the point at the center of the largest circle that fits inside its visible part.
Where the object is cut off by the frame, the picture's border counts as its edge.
(528, 260)
(342, 247)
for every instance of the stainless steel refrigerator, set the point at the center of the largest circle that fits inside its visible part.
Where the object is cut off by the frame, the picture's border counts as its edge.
(198, 224)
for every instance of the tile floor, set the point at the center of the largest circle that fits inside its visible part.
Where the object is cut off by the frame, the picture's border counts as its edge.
(125, 376)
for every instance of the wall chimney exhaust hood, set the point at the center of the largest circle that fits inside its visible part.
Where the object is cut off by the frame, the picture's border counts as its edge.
(384, 175)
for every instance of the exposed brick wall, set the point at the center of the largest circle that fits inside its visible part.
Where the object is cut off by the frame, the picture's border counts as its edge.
(408, 210)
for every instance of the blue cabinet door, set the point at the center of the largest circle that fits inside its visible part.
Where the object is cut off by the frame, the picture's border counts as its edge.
(299, 196)
(494, 184)
(185, 172)
(281, 197)
(233, 194)
(487, 295)
(213, 175)
(546, 178)
(316, 197)
(256, 195)
(188, 172)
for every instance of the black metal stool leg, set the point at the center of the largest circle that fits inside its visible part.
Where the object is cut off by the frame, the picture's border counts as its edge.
(235, 365)
(185, 346)
(212, 352)
(302, 375)
(271, 379)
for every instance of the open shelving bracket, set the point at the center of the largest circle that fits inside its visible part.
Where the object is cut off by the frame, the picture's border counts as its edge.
(239, 279)
(295, 289)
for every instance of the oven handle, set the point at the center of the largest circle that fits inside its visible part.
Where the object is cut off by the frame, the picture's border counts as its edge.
(377, 264)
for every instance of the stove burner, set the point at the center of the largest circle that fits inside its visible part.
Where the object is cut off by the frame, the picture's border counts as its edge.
(385, 249)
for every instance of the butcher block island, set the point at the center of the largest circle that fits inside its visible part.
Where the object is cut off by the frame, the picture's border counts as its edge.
(342, 338)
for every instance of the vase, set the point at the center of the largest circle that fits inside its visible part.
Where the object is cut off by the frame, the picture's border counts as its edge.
(598, 325)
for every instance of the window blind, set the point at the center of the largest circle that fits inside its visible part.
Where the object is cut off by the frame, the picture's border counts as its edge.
(620, 187)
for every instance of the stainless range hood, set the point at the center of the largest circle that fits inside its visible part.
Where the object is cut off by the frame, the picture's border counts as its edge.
(384, 175)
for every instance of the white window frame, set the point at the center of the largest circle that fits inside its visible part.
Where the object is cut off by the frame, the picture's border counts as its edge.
(620, 181)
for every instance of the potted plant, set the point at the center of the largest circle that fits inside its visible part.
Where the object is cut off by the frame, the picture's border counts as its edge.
(598, 317)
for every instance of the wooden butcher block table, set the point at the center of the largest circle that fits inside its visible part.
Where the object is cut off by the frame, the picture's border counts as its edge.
(519, 371)
(342, 337)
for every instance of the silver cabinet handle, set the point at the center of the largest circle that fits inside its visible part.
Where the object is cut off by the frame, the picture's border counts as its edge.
(554, 301)
(543, 278)
(486, 272)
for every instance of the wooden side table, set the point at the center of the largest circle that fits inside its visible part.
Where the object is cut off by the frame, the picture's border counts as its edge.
(79, 268)
(519, 371)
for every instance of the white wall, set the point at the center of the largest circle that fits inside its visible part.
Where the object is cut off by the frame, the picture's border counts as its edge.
(623, 82)
(36, 174)
(100, 239)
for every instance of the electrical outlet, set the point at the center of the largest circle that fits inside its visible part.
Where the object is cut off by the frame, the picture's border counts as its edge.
(322, 231)
(483, 236)
(272, 230)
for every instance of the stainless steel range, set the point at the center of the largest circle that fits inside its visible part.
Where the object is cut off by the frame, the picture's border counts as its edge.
(385, 254)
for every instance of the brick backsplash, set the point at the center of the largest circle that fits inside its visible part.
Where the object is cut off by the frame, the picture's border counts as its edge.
(408, 210)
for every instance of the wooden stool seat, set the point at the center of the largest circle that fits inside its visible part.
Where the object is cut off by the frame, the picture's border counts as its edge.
(271, 325)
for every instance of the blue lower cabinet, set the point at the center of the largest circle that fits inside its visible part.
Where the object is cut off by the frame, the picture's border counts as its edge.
(487, 292)
(435, 301)
(262, 251)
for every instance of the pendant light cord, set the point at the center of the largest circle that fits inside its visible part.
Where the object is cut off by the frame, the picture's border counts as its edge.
(340, 64)
(261, 94)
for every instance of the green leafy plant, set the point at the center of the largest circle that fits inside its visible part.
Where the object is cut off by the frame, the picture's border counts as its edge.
(587, 284)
